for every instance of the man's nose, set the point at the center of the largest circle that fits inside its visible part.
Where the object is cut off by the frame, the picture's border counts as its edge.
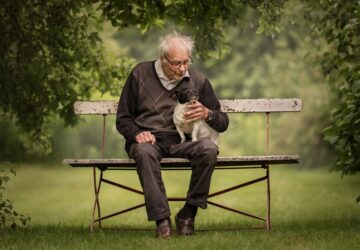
(182, 68)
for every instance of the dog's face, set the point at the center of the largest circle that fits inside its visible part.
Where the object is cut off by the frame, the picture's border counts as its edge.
(186, 95)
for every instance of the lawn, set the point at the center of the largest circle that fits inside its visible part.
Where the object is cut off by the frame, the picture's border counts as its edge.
(311, 209)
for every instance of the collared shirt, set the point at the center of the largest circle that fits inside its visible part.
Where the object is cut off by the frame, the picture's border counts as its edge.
(168, 84)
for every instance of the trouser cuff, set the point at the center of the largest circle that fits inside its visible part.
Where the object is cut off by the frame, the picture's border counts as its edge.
(198, 203)
(159, 216)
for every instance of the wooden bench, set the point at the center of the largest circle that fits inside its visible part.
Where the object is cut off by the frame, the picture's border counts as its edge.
(265, 106)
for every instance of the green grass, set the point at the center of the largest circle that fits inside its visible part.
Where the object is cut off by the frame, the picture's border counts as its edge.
(311, 209)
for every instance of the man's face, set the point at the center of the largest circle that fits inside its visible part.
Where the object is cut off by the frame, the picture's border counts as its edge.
(175, 63)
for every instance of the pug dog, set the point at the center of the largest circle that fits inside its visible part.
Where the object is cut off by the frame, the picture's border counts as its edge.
(197, 129)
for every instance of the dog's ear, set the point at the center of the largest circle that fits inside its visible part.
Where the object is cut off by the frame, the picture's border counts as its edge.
(174, 95)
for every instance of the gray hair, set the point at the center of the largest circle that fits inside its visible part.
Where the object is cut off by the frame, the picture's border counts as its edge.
(175, 39)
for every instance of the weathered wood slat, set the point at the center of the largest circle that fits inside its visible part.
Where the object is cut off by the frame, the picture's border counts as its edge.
(230, 106)
(95, 107)
(261, 105)
(182, 162)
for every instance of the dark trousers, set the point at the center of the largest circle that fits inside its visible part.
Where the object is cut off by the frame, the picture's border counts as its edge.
(203, 155)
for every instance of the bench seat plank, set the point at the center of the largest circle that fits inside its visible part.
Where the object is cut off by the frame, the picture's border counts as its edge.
(174, 163)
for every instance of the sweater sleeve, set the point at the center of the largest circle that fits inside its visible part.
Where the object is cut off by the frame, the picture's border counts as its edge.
(220, 121)
(126, 112)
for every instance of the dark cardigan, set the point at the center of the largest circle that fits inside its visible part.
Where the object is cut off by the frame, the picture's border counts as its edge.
(146, 105)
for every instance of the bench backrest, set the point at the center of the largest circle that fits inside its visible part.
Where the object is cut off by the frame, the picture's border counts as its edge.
(229, 106)
(266, 106)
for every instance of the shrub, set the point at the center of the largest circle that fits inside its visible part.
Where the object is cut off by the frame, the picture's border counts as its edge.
(8, 216)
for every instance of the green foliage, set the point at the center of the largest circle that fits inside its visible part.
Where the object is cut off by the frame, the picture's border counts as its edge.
(258, 67)
(8, 216)
(339, 23)
(271, 14)
(205, 20)
(51, 56)
(11, 148)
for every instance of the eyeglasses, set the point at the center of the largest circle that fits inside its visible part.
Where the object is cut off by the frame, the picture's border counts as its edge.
(177, 64)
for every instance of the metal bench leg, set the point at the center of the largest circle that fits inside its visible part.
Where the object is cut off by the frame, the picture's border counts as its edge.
(266, 166)
(268, 222)
(96, 205)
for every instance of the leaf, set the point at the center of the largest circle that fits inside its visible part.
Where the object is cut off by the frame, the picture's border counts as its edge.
(332, 139)
(159, 22)
(13, 171)
(6, 178)
(260, 30)
(357, 138)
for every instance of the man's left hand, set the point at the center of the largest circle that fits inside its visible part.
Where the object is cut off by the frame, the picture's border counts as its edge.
(196, 111)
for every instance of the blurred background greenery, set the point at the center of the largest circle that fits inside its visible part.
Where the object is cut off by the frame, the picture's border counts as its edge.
(251, 65)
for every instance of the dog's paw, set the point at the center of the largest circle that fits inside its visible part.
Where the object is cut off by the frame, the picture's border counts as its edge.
(182, 141)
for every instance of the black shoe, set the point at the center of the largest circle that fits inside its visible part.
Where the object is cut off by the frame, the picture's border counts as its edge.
(164, 229)
(185, 226)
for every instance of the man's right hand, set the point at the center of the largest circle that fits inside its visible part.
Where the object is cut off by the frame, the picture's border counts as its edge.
(145, 137)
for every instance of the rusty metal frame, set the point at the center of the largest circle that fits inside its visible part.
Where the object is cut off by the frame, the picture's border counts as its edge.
(97, 186)
(266, 220)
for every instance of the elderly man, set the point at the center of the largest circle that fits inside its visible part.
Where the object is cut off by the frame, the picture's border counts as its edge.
(144, 118)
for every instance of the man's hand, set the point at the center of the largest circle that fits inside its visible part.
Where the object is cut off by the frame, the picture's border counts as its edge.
(145, 137)
(196, 111)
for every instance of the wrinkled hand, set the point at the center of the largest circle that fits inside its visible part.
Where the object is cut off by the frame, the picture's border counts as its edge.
(145, 137)
(196, 111)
